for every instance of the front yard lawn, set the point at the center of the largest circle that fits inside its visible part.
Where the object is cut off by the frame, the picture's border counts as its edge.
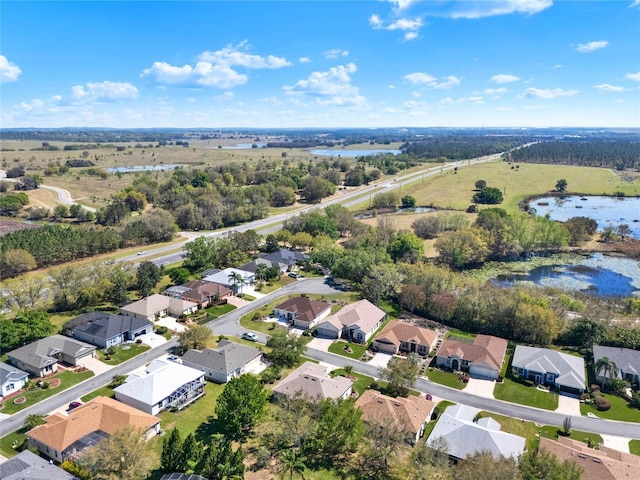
(122, 353)
(620, 410)
(362, 383)
(219, 310)
(67, 379)
(8, 442)
(101, 392)
(445, 378)
(338, 347)
(634, 447)
(551, 432)
(514, 392)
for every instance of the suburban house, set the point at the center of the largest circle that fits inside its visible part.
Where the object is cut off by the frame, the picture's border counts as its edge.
(11, 379)
(105, 330)
(303, 312)
(163, 385)
(70, 437)
(410, 414)
(285, 259)
(311, 380)
(232, 278)
(404, 337)
(356, 322)
(627, 361)
(157, 306)
(28, 466)
(40, 358)
(548, 367)
(602, 464)
(482, 358)
(464, 437)
(200, 292)
(227, 361)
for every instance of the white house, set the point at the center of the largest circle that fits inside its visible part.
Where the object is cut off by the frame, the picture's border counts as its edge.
(12, 379)
(356, 322)
(158, 306)
(232, 278)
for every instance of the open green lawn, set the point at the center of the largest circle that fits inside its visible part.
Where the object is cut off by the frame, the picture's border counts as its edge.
(511, 391)
(67, 379)
(123, 353)
(277, 283)
(338, 347)
(634, 447)
(454, 332)
(445, 378)
(620, 410)
(449, 190)
(551, 432)
(8, 442)
(100, 392)
(362, 383)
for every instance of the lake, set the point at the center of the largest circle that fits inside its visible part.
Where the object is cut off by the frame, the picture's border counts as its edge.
(242, 146)
(350, 153)
(604, 210)
(142, 168)
(598, 274)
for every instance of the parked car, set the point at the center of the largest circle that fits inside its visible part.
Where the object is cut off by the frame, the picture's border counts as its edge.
(293, 275)
(73, 406)
(142, 252)
(250, 336)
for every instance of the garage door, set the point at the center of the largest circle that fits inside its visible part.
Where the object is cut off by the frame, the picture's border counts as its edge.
(484, 372)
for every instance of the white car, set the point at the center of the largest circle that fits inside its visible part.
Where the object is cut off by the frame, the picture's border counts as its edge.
(250, 336)
(142, 252)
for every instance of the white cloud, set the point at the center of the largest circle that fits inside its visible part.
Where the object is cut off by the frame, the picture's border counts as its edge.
(635, 3)
(504, 78)
(335, 53)
(468, 99)
(416, 94)
(633, 76)
(591, 46)
(304, 60)
(421, 78)
(35, 104)
(9, 72)
(375, 21)
(605, 87)
(548, 93)
(104, 91)
(391, 87)
(214, 69)
(473, 9)
(410, 27)
(557, 65)
(494, 91)
(332, 87)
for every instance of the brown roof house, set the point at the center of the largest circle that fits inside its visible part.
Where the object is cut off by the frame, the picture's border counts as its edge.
(482, 358)
(602, 464)
(303, 312)
(69, 437)
(200, 292)
(405, 337)
(312, 381)
(409, 414)
(357, 322)
(157, 306)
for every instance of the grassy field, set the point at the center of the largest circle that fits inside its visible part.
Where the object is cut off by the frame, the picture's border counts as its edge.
(454, 191)
(338, 347)
(123, 353)
(445, 378)
(511, 391)
(362, 383)
(620, 410)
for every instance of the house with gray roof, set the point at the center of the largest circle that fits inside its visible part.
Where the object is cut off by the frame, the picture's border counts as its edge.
(162, 385)
(627, 361)
(157, 306)
(12, 379)
(464, 437)
(549, 367)
(28, 466)
(227, 361)
(312, 381)
(284, 257)
(356, 322)
(40, 358)
(105, 330)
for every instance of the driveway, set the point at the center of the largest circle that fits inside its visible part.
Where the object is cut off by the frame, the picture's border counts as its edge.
(237, 301)
(380, 360)
(568, 405)
(617, 443)
(96, 366)
(171, 323)
(480, 387)
(152, 339)
(321, 344)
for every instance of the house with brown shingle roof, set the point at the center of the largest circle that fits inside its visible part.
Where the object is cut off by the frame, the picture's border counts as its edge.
(410, 414)
(200, 292)
(356, 322)
(312, 381)
(405, 337)
(602, 464)
(482, 358)
(157, 306)
(303, 312)
(69, 437)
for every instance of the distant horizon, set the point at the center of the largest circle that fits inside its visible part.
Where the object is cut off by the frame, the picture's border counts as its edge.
(309, 64)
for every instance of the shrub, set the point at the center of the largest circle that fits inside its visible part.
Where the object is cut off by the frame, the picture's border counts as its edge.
(138, 340)
(161, 330)
(602, 404)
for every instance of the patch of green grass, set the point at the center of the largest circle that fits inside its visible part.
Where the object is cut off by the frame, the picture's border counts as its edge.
(514, 392)
(634, 447)
(9, 441)
(100, 392)
(620, 410)
(445, 378)
(219, 310)
(550, 431)
(454, 332)
(338, 347)
(393, 310)
(67, 379)
(275, 284)
(527, 430)
(248, 298)
(362, 383)
(123, 353)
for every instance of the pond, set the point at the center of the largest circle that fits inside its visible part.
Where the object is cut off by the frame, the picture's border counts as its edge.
(598, 274)
(142, 168)
(604, 210)
(350, 153)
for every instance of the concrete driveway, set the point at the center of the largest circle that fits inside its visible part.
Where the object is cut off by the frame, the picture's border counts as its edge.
(380, 360)
(568, 405)
(152, 339)
(617, 443)
(171, 323)
(322, 344)
(96, 366)
(480, 387)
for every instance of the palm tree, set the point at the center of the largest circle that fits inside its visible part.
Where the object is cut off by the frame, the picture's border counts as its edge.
(261, 271)
(236, 278)
(293, 463)
(608, 367)
(33, 420)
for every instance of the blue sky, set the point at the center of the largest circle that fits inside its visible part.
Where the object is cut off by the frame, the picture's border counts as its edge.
(225, 64)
